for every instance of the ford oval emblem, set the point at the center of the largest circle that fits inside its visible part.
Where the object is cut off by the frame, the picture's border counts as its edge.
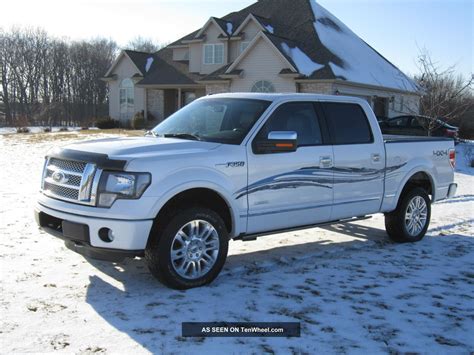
(59, 177)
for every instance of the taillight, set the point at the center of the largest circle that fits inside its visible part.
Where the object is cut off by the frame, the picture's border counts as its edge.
(452, 158)
(449, 132)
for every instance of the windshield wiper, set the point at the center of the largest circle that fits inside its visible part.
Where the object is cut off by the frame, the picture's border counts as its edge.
(183, 136)
(151, 133)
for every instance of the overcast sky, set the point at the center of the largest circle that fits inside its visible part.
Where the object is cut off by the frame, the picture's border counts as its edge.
(396, 28)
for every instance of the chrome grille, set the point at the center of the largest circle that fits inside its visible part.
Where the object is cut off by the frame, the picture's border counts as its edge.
(70, 180)
(67, 165)
(61, 191)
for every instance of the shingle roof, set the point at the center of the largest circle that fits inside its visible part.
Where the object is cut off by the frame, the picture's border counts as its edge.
(139, 59)
(293, 25)
(166, 71)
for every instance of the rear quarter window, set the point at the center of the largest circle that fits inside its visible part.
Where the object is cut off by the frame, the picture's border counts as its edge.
(347, 123)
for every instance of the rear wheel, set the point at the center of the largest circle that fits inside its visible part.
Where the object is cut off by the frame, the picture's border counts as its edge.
(191, 249)
(410, 221)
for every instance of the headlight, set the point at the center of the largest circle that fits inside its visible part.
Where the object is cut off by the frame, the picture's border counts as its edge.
(121, 185)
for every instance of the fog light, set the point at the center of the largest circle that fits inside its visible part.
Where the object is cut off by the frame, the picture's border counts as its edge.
(106, 235)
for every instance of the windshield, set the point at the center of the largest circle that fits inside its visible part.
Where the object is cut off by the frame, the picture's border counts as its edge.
(221, 120)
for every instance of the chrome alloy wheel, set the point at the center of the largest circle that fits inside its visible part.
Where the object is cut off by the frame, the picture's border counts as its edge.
(194, 249)
(416, 216)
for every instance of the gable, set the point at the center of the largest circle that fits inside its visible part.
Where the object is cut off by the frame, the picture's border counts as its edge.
(125, 68)
(262, 63)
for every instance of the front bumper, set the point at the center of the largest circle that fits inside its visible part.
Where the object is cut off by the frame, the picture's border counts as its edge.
(81, 233)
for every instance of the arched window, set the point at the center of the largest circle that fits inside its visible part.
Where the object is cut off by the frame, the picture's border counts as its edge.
(263, 86)
(127, 98)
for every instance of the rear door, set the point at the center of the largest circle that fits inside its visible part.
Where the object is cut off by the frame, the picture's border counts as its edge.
(292, 188)
(359, 160)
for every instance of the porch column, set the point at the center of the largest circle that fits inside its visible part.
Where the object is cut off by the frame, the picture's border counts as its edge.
(179, 98)
(145, 99)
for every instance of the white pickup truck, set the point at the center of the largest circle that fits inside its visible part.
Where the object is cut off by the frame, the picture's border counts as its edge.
(238, 166)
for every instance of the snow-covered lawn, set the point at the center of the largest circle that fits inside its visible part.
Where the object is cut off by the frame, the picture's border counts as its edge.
(349, 286)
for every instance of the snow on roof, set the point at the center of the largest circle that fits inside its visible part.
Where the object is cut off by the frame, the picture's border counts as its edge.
(303, 63)
(149, 62)
(269, 28)
(230, 27)
(361, 63)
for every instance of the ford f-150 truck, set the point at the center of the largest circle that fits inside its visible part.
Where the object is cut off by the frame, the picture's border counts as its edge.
(238, 166)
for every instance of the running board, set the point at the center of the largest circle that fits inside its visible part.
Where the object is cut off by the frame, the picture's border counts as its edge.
(248, 237)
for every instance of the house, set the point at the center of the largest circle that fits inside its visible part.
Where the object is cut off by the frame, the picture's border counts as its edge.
(270, 46)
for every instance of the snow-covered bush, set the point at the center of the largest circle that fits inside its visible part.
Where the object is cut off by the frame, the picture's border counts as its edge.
(22, 130)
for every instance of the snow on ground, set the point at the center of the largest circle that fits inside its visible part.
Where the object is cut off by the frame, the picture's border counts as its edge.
(360, 62)
(38, 129)
(349, 286)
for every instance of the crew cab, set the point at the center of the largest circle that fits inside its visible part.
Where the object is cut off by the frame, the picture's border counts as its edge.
(239, 166)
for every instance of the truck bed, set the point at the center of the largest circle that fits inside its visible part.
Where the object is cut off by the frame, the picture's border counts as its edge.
(389, 138)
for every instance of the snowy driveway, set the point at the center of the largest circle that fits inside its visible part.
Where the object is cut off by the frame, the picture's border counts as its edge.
(351, 289)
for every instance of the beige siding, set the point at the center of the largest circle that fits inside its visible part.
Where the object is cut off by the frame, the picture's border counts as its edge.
(262, 63)
(234, 50)
(250, 30)
(124, 69)
(195, 57)
(212, 33)
(180, 53)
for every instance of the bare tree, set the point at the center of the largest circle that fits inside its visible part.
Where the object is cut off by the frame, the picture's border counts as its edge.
(46, 80)
(445, 95)
(142, 44)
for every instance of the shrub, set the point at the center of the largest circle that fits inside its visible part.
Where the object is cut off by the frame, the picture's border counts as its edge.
(138, 121)
(107, 123)
(22, 130)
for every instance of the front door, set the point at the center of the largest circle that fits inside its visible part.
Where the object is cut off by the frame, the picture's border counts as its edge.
(359, 161)
(292, 188)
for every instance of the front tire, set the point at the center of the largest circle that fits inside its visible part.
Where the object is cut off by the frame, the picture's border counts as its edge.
(410, 221)
(190, 250)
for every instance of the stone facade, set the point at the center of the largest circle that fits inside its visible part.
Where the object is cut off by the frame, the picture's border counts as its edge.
(316, 88)
(217, 88)
(155, 103)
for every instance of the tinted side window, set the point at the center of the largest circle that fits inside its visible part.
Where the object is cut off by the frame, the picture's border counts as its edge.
(347, 123)
(299, 117)
(398, 122)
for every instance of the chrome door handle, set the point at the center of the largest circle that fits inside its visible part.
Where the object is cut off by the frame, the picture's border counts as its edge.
(375, 158)
(325, 162)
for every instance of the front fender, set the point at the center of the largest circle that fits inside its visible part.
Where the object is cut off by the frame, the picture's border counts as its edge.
(185, 179)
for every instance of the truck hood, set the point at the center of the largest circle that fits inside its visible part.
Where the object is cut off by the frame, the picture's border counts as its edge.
(137, 147)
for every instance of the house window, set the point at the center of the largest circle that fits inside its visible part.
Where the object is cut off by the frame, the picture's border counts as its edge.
(243, 45)
(263, 86)
(402, 104)
(127, 98)
(213, 54)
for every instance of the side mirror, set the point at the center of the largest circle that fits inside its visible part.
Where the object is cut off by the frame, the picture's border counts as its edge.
(276, 142)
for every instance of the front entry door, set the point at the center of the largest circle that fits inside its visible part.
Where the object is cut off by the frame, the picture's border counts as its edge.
(293, 188)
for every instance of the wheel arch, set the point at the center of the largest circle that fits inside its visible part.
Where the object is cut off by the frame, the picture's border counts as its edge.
(418, 178)
(206, 195)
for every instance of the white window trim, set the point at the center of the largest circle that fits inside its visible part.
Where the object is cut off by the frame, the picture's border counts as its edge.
(213, 46)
